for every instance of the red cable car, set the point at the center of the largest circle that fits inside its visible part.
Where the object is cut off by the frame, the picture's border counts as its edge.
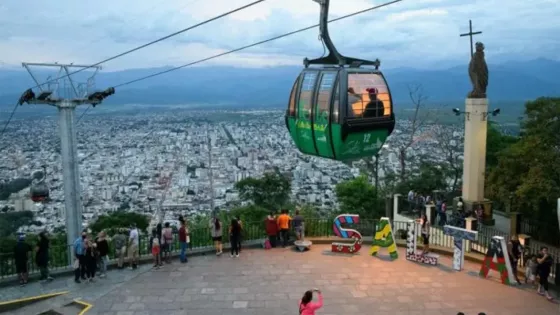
(40, 190)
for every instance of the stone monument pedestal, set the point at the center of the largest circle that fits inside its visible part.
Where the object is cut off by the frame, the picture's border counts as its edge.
(474, 157)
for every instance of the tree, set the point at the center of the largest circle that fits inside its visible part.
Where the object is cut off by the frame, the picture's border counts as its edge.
(119, 219)
(10, 222)
(358, 196)
(450, 143)
(528, 171)
(251, 213)
(417, 121)
(428, 178)
(272, 191)
(496, 142)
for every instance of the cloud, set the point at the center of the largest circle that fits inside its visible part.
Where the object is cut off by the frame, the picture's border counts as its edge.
(411, 33)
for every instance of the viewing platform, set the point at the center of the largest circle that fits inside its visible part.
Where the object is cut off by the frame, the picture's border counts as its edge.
(272, 282)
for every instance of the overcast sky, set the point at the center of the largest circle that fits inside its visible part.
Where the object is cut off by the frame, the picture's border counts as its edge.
(411, 33)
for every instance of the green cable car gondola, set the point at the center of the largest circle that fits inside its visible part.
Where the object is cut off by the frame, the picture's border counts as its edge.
(339, 110)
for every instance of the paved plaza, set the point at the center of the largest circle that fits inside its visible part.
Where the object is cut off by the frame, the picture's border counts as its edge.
(272, 282)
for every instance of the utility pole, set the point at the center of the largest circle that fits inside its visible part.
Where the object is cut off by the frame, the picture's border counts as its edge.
(66, 101)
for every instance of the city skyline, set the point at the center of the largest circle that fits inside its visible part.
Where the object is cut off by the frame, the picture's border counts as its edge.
(142, 160)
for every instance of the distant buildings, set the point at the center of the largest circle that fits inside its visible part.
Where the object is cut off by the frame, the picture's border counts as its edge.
(160, 161)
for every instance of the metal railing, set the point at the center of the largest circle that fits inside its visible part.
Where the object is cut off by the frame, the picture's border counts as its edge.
(200, 238)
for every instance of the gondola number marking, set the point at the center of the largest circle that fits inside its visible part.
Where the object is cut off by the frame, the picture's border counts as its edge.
(366, 137)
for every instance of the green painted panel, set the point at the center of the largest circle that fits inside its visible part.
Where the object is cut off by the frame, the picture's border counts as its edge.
(304, 136)
(293, 132)
(322, 135)
(358, 145)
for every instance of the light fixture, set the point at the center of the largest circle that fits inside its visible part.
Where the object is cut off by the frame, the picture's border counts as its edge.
(458, 112)
(494, 113)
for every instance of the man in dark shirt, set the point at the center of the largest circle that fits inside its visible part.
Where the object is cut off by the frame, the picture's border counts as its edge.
(297, 222)
(103, 249)
(21, 252)
(514, 251)
(545, 262)
(375, 106)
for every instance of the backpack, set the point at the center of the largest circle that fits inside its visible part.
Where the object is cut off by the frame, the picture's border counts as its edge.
(267, 244)
(168, 236)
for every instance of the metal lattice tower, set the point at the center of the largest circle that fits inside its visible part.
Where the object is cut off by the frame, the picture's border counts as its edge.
(66, 100)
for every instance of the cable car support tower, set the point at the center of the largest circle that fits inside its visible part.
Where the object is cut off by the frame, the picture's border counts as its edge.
(66, 99)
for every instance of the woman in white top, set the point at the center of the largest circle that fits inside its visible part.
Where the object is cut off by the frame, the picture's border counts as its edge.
(425, 231)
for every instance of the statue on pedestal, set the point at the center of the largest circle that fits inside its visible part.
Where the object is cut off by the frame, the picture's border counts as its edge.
(478, 72)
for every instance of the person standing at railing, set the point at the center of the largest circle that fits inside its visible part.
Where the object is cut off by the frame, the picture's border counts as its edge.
(271, 227)
(103, 250)
(545, 266)
(159, 231)
(155, 249)
(120, 247)
(183, 232)
(90, 256)
(234, 236)
(284, 226)
(439, 203)
(297, 222)
(216, 234)
(410, 199)
(133, 242)
(21, 252)
(167, 236)
(79, 254)
(42, 257)
(514, 250)
(240, 234)
(443, 214)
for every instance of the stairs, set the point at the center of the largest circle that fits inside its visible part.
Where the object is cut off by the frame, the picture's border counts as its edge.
(75, 307)
(16, 305)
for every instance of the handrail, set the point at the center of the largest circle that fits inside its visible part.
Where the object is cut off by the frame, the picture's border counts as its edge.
(255, 231)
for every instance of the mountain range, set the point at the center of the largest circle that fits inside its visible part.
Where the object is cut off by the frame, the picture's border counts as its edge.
(270, 86)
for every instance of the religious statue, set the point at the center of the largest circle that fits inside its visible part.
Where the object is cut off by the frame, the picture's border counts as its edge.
(478, 72)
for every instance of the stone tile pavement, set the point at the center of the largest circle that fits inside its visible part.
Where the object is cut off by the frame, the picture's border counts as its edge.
(272, 282)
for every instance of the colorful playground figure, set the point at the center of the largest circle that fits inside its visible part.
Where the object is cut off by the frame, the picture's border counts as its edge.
(498, 251)
(349, 248)
(412, 254)
(459, 237)
(384, 238)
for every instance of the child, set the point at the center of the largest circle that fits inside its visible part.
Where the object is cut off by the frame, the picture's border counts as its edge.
(155, 247)
(531, 269)
(306, 307)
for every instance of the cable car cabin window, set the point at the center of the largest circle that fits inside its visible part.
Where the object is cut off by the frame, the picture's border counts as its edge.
(292, 106)
(306, 95)
(368, 96)
(334, 117)
(324, 98)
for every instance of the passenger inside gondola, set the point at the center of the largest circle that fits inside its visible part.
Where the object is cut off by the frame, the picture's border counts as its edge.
(375, 106)
(355, 101)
